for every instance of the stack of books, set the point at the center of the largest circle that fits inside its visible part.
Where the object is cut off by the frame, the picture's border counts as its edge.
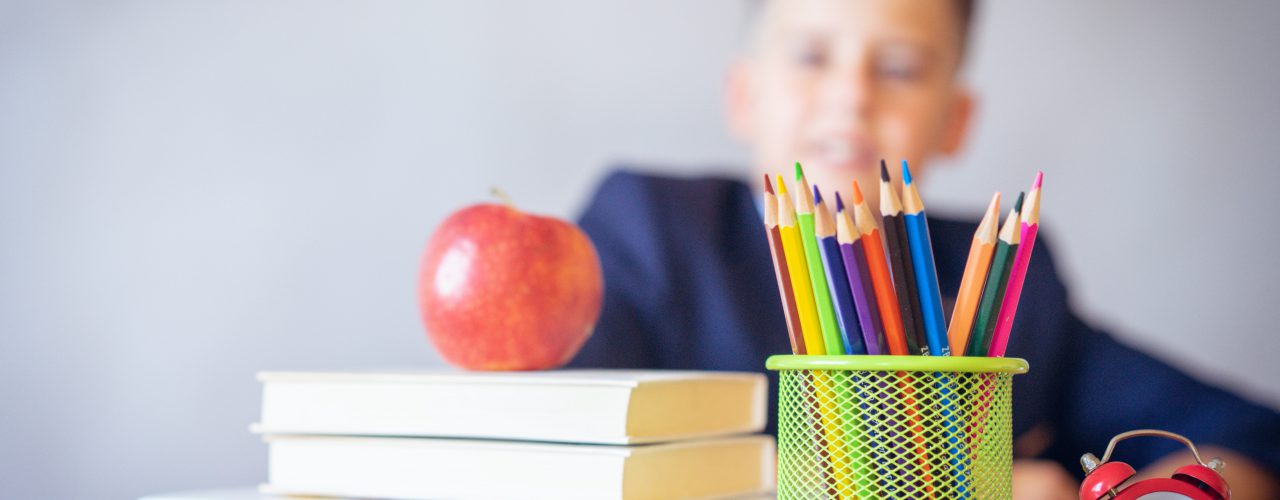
(595, 434)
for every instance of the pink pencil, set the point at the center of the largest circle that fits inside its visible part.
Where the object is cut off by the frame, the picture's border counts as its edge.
(1018, 274)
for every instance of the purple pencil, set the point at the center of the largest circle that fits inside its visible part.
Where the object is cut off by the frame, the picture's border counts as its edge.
(859, 275)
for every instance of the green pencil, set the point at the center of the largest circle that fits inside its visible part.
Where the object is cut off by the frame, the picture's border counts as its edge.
(997, 280)
(817, 275)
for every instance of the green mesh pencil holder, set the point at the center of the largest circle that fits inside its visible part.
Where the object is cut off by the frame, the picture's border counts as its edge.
(872, 427)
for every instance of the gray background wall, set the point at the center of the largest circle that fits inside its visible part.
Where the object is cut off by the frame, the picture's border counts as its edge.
(194, 191)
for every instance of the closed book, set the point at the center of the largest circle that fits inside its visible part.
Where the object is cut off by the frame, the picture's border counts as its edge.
(250, 493)
(572, 406)
(412, 468)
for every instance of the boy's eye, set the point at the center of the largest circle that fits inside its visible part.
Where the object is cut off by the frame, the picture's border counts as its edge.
(810, 55)
(900, 63)
(899, 70)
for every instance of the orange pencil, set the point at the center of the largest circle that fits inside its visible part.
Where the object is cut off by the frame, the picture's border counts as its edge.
(975, 274)
(881, 279)
(785, 292)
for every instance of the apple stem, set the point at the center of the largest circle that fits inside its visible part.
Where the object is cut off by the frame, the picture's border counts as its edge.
(502, 196)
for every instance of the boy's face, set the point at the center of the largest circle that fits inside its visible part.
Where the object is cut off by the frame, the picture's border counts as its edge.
(839, 84)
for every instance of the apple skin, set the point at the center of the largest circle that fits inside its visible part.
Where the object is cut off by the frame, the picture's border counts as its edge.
(501, 289)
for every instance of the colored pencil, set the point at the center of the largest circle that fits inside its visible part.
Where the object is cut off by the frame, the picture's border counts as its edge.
(917, 231)
(984, 322)
(837, 416)
(935, 328)
(881, 279)
(780, 268)
(975, 274)
(824, 229)
(1017, 275)
(828, 231)
(798, 268)
(859, 279)
(904, 279)
(883, 438)
(827, 415)
(817, 277)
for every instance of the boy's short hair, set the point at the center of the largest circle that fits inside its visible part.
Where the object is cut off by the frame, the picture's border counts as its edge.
(964, 13)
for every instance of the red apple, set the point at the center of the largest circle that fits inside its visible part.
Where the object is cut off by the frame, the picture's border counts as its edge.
(504, 290)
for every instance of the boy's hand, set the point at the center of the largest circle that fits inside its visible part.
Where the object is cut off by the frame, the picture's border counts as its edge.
(1043, 480)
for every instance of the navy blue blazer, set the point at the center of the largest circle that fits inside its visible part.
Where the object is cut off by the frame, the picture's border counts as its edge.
(689, 284)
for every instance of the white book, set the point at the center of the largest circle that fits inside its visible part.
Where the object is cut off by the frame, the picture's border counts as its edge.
(572, 406)
(251, 493)
(414, 468)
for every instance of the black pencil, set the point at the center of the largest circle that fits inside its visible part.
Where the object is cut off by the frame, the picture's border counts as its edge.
(904, 280)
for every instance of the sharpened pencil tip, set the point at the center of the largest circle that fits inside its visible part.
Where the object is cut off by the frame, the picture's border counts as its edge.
(799, 172)
(857, 193)
(817, 195)
(993, 209)
(839, 203)
(782, 186)
(906, 173)
(1039, 177)
(884, 171)
(768, 185)
(1017, 205)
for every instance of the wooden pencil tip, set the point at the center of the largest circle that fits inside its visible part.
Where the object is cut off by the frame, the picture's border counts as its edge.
(1039, 178)
(884, 171)
(799, 172)
(768, 185)
(782, 186)
(990, 225)
(1017, 205)
(839, 203)
(817, 195)
(857, 193)
(906, 173)
(992, 215)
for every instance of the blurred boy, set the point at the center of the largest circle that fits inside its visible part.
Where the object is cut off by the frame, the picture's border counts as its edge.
(838, 85)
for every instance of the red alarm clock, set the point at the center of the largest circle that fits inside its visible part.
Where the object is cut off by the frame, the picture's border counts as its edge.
(1106, 480)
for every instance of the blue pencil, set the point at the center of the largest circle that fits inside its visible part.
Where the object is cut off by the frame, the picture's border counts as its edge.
(935, 326)
(824, 230)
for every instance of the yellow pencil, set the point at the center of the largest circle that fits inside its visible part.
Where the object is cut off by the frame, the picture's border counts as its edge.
(975, 274)
(798, 268)
(828, 416)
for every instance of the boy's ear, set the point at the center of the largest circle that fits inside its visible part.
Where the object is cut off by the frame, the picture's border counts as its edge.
(961, 116)
(738, 101)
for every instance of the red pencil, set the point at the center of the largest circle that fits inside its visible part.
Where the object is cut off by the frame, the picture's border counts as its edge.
(780, 268)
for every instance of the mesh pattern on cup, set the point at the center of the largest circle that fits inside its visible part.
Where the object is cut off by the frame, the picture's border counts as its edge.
(884, 434)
